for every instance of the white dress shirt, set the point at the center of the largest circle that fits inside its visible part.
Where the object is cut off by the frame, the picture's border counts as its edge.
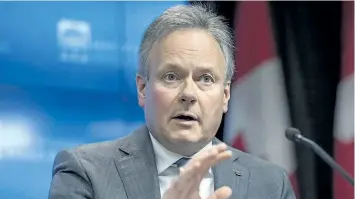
(167, 172)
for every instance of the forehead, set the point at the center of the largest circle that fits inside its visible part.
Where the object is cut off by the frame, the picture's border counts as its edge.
(188, 48)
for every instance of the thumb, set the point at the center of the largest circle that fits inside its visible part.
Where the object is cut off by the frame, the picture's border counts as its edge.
(221, 193)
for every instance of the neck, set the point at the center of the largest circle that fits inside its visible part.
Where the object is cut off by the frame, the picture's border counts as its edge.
(183, 148)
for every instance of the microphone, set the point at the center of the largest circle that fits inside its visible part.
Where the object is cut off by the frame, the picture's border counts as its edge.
(295, 136)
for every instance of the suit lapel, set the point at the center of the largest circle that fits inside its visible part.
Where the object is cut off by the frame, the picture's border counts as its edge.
(137, 168)
(230, 173)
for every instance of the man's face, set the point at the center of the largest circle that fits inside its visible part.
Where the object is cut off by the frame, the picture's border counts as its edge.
(185, 96)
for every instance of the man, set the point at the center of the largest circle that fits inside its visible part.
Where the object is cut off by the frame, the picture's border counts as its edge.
(183, 85)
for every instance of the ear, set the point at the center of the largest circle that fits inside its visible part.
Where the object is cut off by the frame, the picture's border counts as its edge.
(226, 96)
(141, 87)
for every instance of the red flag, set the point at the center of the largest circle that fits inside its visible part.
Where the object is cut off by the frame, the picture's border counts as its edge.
(344, 115)
(258, 111)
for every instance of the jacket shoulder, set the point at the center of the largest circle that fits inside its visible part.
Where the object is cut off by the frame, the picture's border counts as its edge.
(254, 162)
(265, 176)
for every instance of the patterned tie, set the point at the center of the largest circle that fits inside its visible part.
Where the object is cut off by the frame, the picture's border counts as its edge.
(181, 162)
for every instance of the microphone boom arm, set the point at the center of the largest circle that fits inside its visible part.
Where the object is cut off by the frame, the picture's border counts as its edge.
(321, 153)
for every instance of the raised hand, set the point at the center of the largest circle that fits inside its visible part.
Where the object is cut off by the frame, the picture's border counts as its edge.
(186, 186)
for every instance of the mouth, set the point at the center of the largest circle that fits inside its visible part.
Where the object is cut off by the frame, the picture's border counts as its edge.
(185, 117)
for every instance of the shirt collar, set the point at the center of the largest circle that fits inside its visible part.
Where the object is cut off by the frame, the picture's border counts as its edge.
(165, 158)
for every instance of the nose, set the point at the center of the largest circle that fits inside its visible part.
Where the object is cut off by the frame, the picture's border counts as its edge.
(188, 95)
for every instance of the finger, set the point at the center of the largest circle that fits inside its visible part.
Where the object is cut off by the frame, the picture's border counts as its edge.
(221, 147)
(223, 156)
(222, 193)
(212, 153)
(196, 174)
(207, 159)
(207, 156)
(206, 164)
(192, 174)
(195, 194)
(213, 150)
(211, 159)
(187, 182)
(189, 178)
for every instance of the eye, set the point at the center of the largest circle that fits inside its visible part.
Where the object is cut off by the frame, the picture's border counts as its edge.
(206, 79)
(169, 77)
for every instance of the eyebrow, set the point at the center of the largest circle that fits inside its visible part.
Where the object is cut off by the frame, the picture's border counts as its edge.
(203, 68)
(171, 66)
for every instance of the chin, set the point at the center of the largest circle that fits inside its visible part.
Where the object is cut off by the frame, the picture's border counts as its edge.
(186, 136)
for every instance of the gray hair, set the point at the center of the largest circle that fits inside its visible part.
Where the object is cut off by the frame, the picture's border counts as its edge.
(188, 17)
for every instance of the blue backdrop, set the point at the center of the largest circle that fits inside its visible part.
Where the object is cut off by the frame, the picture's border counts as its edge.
(67, 77)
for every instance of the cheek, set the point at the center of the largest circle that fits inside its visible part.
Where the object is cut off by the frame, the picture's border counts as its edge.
(162, 98)
(213, 104)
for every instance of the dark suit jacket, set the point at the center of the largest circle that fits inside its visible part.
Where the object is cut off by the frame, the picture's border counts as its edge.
(126, 169)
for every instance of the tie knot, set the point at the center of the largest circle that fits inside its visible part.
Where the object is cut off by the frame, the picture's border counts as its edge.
(181, 162)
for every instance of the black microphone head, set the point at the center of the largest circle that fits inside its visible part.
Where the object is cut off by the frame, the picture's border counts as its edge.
(292, 134)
